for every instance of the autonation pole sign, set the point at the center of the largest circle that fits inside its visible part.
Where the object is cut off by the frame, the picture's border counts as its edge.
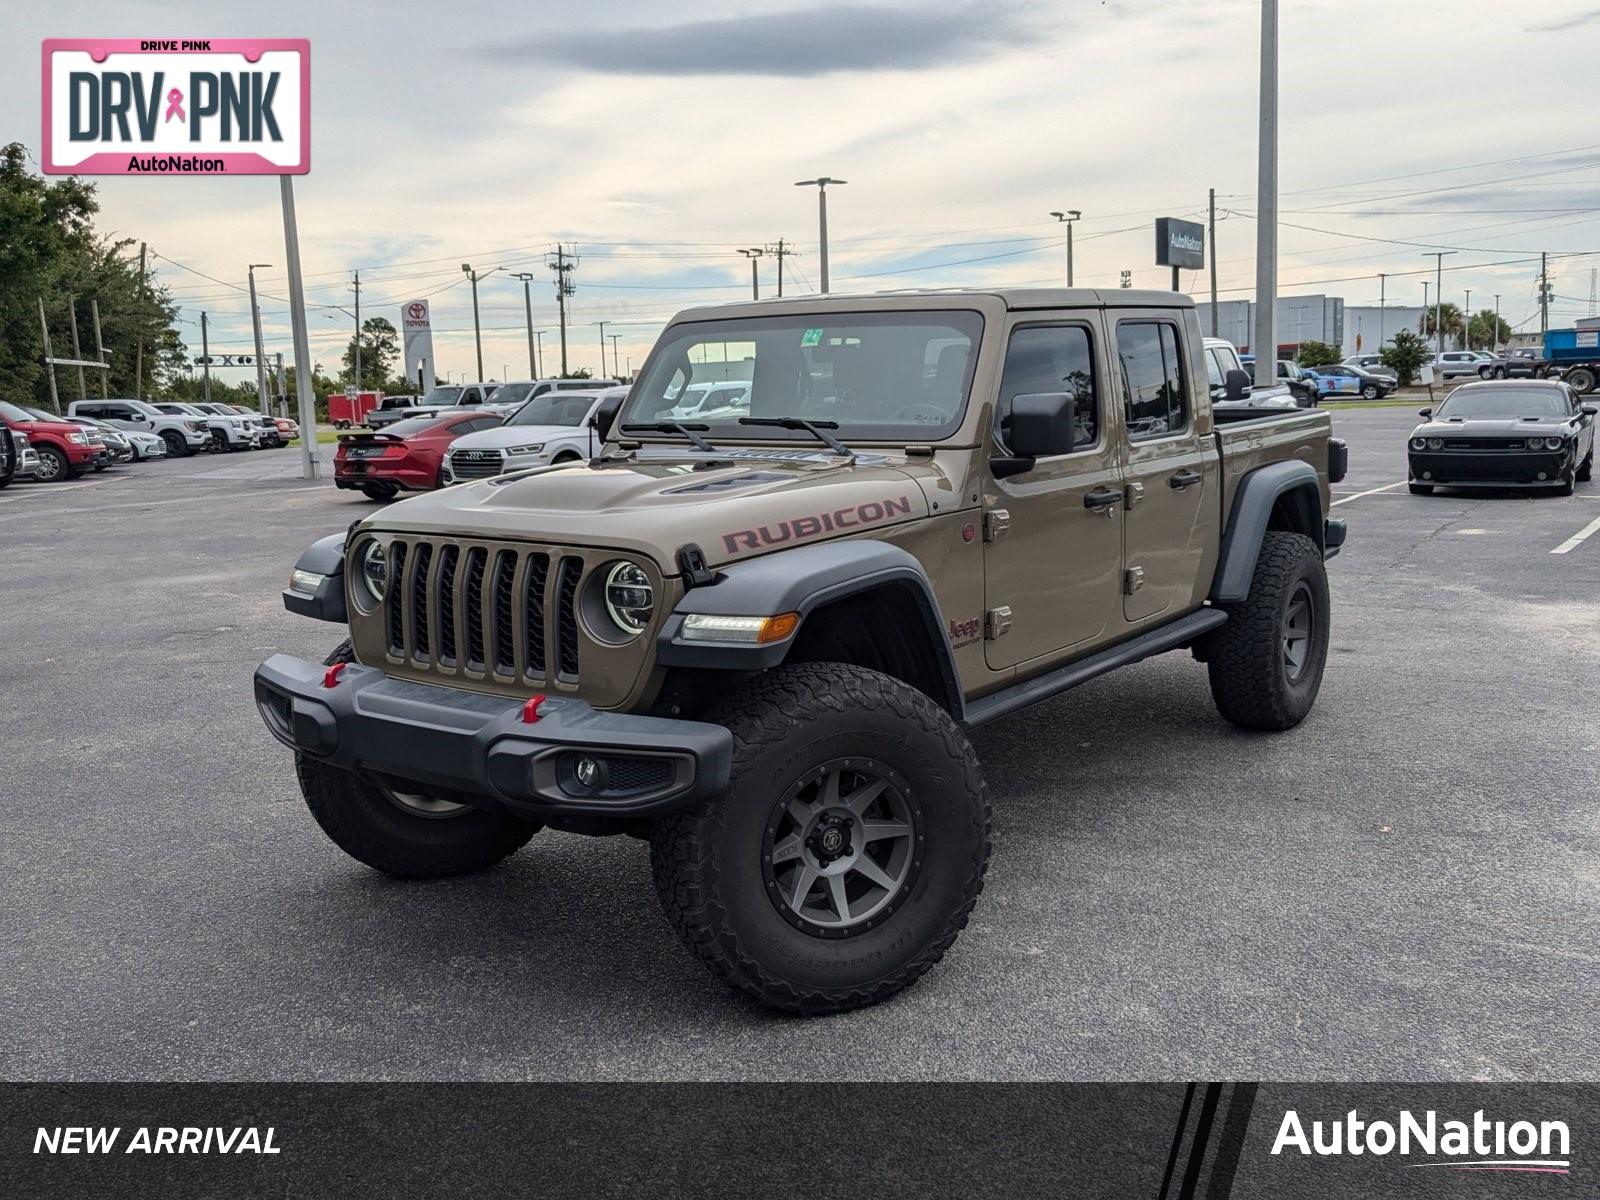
(216, 106)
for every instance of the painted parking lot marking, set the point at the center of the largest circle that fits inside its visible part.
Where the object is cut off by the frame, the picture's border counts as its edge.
(1577, 539)
(1369, 492)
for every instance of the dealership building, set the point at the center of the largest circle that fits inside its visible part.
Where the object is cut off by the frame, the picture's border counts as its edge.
(1313, 319)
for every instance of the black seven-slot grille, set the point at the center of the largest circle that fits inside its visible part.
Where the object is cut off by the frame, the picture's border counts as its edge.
(495, 611)
(1486, 443)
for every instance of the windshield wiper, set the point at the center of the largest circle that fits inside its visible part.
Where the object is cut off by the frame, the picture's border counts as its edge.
(692, 432)
(817, 429)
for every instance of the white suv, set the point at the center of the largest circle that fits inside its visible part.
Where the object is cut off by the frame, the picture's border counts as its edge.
(182, 432)
(551, 428)
(230, 432)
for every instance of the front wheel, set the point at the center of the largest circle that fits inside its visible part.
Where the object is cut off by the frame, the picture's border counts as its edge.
(1586, 467)
(848, 852)
(1421, 489)
(1266, 663)
(1370, 392)
(53, 465)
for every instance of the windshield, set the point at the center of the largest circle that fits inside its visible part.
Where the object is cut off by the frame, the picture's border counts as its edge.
(442, 395)
(12, 413)
(1505, 404)
(510, 393)
(882, 376)
(554, 408)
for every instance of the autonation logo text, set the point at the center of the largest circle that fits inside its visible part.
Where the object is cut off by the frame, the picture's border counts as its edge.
(1476, 1145)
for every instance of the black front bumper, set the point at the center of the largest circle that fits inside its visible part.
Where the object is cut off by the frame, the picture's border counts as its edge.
(476, 748)
(1489, 468)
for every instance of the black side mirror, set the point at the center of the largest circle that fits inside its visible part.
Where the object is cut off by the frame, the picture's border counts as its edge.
(605, 415)
(1038, 425)
(1236, 384)
(1589, 410)
(1424, 412)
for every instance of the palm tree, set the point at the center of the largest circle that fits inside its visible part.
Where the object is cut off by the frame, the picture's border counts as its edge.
(1449, 316)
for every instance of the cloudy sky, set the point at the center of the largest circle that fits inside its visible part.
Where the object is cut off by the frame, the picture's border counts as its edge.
(658, 139)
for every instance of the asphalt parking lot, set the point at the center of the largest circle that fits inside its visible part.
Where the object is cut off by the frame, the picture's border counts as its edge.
(1403, 888)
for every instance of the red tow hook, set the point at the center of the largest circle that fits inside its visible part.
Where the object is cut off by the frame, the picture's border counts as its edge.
(530, 710)
(331, 675)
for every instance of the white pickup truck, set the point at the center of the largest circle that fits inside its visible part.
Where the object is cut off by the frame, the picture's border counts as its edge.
(184, 433)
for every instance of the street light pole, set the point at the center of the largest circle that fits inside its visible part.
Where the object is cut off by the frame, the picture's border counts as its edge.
(1266, 337)
(255, 321)
(1438, 298)
(821, 184)
(527, 306)
(602, 325)
(1067, 218)
(1466, 322)
(755, 278)
(616, 366)
(358, 330)
(477, 330)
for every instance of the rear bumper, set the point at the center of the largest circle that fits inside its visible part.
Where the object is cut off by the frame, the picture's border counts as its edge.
(475, 747)
(416, 478)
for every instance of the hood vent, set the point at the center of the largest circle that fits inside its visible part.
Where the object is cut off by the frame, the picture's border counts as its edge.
(728, 483)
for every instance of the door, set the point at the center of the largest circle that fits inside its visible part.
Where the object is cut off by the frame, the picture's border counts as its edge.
(1053, 535)
(1169, 469)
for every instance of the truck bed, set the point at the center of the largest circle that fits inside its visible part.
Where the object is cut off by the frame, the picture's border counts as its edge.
(1246, 441)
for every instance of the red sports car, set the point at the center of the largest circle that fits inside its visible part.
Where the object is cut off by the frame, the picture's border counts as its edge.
(406, 455)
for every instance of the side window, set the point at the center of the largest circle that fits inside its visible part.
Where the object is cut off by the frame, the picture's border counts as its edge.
(1215, 368)
(1052, 358)
(1151, 366)
(470, 396)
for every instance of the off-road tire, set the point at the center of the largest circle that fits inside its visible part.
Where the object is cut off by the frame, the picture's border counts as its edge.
(1250, 679)
(1421, 489)
(708, 860)
(1581, 380)
(381, 492)
(369, 827)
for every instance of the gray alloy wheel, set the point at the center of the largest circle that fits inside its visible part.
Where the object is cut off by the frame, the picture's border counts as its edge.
(841, 847)
(52, 465)
(1299, 631)
(1369, 391)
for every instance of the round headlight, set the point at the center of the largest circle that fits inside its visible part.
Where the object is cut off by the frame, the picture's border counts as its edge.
(1535, 443)
(1419, 444)
(375, 569)
(1435, 443)
(629, 597)
(1554, 443)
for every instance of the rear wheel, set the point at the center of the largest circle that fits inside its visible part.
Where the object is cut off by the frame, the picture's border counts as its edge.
(1266, 663)
(848, 852)
(1581, 380)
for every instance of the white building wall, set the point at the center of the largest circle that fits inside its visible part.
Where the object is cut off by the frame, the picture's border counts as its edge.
(1368, 321)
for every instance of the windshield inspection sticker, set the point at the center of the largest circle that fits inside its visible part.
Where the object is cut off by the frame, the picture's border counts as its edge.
(812, 337)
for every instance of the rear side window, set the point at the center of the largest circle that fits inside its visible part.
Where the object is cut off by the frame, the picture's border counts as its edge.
(1053, 358)
(1157, 403)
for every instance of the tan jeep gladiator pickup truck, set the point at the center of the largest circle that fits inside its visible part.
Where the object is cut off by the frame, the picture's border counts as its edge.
(759, 640)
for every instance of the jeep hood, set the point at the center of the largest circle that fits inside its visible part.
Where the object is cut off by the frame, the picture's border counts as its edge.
(733, 505)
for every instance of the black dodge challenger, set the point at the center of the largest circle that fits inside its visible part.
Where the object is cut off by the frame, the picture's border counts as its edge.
(1504, 433)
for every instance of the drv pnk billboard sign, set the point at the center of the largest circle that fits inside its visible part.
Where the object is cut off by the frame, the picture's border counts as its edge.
(1180, 244)
(212, 106)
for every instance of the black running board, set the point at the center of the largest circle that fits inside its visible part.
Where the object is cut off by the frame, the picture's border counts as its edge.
(1155, 641)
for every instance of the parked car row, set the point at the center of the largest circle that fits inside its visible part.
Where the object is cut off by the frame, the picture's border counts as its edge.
(437, 448)
(96, 434)
(502, 397)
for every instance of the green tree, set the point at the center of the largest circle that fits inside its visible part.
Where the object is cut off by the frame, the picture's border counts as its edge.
(49, 251)
(380, 348)
(1486, 330)
(1405, 355)
(1317, 354)
(1447, 314)
(580, 373)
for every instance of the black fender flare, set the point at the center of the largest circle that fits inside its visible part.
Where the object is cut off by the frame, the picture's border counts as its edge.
(800, 581)
(1258, 494)
(324, 557)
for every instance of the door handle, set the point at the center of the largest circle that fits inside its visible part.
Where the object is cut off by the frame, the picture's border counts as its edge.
(1101, 498)
(1183, 479)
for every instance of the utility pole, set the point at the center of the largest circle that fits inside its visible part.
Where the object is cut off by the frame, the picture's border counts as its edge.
(755, 278)
(1382, 302)
(1211, 236)
(1495, 341)
(527, 308)
(821, 184)
(602, 325)
(1466, 322)
(1422, 328)
(77, 351)
(100, 348)
(1266, 336)
(781, 252)
(138, 356)
(1544, 293)
(205, 356)
(1438, 298)
(477, 329)
(255, 320)
(358, 330)
(49, 359)
(616, 363)
(563, 266)
(303, 366)
(538, 352)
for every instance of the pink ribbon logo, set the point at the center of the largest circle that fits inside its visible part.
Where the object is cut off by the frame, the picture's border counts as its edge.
(175, 105)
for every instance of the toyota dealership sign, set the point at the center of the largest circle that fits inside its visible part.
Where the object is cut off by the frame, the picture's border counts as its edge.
(213, 106)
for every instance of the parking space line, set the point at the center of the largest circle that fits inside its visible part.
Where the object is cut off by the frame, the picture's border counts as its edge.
(125, 504)
(1370, 492)
(1577, 539)
(56, 489)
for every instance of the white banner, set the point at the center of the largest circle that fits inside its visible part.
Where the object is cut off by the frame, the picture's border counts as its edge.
(417, 327)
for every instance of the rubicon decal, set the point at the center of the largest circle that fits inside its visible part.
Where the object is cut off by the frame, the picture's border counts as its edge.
(153, 106)
(1478, 1144)
(873, 512)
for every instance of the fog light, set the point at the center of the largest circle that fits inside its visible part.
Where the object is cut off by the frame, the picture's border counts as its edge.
(1541, 476)
(587, 772)
(582, 775)
(1427, 474)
